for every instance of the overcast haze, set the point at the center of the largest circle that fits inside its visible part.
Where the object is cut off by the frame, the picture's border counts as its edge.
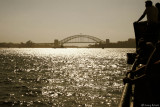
(46, 20)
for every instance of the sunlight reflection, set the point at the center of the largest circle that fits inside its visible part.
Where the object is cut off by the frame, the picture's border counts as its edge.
(67, 77)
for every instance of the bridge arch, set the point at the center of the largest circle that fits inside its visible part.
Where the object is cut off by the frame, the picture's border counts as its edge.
(95, 39)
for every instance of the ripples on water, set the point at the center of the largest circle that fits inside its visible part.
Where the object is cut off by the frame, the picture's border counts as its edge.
(62, 77)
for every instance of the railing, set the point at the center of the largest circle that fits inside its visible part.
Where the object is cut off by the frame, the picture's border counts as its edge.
(127, 97)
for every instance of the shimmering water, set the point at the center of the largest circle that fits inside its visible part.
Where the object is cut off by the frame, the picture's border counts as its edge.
(62, 77)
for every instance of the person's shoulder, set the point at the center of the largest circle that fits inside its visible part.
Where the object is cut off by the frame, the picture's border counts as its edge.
(150, 7)
(153, 7)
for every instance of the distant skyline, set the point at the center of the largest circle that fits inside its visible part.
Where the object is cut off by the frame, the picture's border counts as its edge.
(43, 21)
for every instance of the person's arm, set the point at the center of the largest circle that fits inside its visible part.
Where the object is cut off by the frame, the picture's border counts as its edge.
(137, 71)
(157, 62)
(135, 80)
(143, 15)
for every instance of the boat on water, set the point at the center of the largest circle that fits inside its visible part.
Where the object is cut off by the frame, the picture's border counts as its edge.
(142, 82)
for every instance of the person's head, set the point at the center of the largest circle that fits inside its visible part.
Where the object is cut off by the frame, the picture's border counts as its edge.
(141, 42)
(148, 3)
(157, 5)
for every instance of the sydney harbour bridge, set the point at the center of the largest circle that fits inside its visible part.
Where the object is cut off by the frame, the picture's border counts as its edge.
(78, 39)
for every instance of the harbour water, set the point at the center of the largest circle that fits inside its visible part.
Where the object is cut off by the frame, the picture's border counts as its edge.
(73, 77)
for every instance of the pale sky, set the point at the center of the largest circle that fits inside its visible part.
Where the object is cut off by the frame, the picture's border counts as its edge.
(46, 20)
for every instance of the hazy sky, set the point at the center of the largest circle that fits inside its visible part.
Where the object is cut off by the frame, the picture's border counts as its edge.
(46, 20)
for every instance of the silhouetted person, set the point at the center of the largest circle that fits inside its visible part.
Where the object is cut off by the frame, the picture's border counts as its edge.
(147, 80)
(151, 34)
(144, 51)
(151, 12)
(158, 7)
